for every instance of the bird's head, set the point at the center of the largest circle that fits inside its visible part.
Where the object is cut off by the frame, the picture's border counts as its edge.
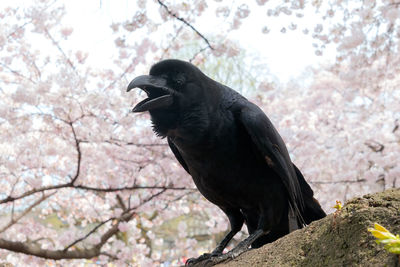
(173, 87)
(170, 83)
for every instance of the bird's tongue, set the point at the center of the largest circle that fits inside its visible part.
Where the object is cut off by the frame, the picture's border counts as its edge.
(153, 103)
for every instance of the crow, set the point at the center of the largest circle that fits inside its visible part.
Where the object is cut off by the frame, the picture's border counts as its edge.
(236, 157)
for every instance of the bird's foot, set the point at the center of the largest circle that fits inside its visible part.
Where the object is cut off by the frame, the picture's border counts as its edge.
(211, 259)
(239, 249)
(203, 258)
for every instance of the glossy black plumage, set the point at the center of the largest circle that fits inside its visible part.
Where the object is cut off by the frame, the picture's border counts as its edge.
(234, 154)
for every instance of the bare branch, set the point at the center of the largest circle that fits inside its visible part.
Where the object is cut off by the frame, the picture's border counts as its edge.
(187, 23)
(16, 73)
(197, 53)
(134, 187)
(36, 250)
(109, 255)
(15, 220)
(122, 75)
(79, 154)
(118, 142)
(83, 187)
(69, 62)
(338, 182)
(374, 146)
(121, 202)
(171, 43)
(396, 126)
(32, 192)
(126, 216)
(87, 235)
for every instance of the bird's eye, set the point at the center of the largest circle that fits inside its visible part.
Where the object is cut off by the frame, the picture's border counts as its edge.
(179, 79)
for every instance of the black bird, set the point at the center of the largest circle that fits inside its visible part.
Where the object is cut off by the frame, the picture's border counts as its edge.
(235, 156)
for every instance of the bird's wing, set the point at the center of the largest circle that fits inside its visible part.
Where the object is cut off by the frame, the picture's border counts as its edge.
(178, 155)
(272, 148)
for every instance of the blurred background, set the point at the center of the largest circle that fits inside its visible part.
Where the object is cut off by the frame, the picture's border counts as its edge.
(84, 182)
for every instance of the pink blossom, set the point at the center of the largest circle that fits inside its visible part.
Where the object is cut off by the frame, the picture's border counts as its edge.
(318, 28)
(391, 13)
(4, 111)
(94, 239)
(115, 27)
(66, 31)
(119, 42)
(182, 226)
(265, 30)
(24, 96)
(222, 11)
(318, 52)
(81, 56)
(356, 38)
(123, 226)
(243, 11)
(236, 23)
(141, 4)
(232, 51)
(201, 6)
(35, 182)
(261, 2)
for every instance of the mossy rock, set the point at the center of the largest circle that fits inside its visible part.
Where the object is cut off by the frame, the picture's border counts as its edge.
(340, 239)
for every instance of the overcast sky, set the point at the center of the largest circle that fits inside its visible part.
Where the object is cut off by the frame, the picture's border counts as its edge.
(287, 55)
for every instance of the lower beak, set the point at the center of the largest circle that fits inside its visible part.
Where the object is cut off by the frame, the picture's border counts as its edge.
(149, 83)
(154, 103)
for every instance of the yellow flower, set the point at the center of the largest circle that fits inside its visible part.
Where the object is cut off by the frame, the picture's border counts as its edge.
(338, 205)
(381, 232)
(391, 241)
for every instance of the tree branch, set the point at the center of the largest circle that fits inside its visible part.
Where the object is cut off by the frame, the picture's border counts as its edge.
(36, 250)
(118, 142)
(131, 188)
(186, 23)
(338, 182)
(33, 191)
(79, 154)
(83, 187)
(15, 220)
(16, 73)
(87, 235)
(196, 54)
(60, 49)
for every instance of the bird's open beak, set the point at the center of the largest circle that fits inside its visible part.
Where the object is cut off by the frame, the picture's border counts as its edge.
(159, 94)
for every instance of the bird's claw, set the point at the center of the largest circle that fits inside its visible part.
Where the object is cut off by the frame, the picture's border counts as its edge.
(224, 257)
(211, 259)
(205, 258)
(192, 261)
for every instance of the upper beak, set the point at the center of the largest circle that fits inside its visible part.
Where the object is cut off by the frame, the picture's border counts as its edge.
(160, 95)
(147, 80)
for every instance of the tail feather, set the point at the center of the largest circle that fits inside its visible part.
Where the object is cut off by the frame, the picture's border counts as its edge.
(312, 209)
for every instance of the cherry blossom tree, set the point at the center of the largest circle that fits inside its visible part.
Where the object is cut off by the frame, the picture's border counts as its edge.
(72, 148)
(84, 179)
